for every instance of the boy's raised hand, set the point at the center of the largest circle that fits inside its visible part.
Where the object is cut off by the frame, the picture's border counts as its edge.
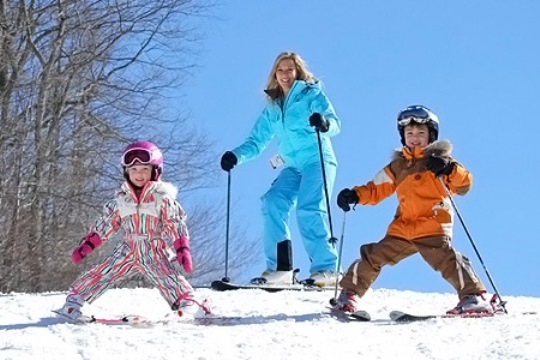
(347, 197)
(440, 165)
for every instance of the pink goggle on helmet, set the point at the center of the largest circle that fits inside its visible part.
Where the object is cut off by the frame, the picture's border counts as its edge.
(144, 153)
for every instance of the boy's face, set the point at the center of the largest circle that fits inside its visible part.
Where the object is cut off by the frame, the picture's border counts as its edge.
(416, 135)
(139, 174)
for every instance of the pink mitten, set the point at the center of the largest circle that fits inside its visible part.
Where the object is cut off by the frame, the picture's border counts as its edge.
(91, 241)
(183, 254)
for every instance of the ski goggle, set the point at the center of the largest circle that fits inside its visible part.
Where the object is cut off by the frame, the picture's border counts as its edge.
(130, 157)
(418, 115)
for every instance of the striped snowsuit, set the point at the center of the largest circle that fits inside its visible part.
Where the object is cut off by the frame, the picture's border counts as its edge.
(151, 224)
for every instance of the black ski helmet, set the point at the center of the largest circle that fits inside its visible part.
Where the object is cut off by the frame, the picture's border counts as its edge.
(418, 114)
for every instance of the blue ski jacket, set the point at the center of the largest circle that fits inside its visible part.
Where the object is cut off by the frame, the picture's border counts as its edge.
(289, 122)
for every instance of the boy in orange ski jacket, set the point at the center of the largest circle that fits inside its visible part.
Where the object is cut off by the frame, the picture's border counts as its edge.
(424, 218)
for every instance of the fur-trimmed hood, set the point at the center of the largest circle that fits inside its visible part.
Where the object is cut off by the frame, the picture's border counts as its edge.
(167, 189)
(438, 148)
(161, 187)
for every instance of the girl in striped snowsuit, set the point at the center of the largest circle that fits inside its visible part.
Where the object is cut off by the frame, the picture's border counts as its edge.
(153, 222)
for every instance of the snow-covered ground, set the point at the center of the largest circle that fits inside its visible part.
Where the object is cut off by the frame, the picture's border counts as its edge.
(285, 325)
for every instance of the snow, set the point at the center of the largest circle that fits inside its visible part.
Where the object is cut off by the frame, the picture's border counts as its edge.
(283, 325)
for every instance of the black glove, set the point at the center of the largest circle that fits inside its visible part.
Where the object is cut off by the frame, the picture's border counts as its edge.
(346, 197)
(228, 160)
(439, 165)
(319, 122)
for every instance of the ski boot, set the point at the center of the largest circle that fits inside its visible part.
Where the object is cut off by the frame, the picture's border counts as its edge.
(191, 308)
(282, 278)
(470, 304)
(347, 301)
(72, 308)
(324, 278)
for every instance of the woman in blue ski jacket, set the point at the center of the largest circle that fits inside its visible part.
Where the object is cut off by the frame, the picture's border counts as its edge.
(297, 109)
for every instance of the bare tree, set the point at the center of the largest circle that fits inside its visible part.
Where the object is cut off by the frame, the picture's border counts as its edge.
(78, 80)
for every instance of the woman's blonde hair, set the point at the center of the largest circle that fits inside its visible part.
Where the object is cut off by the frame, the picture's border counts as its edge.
(272, 89)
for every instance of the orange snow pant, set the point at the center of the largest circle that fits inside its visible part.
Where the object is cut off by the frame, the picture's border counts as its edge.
(435, 250)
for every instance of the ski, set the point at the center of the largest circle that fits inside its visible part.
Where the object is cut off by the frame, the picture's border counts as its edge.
(400, 316)
(360, 315)
(220, 285)
(84, 319)
(130, 320)
(142, 322)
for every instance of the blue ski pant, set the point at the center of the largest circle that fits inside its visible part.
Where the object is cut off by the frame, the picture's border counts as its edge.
(303, 188)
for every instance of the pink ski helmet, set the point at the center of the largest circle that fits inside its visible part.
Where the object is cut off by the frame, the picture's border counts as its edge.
(145, 153)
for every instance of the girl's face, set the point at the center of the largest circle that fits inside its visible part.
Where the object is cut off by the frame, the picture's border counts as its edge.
(416, 135)
(139, 174)
(286, 74)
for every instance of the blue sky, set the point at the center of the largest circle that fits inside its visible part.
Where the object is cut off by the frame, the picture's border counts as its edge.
(476, 64)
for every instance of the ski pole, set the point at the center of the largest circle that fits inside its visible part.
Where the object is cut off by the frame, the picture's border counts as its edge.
(226, 278)
(502, 303)
(333, 301)
(332, 240)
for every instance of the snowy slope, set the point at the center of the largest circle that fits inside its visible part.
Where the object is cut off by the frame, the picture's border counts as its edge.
(286, 325)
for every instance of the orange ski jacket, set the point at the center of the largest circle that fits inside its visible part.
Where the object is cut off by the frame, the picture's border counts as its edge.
(424, 208)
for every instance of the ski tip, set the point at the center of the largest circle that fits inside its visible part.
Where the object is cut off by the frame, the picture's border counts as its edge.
(219, 285)
(400, 316)
(394, 315)
(361, 315)
(333, 301)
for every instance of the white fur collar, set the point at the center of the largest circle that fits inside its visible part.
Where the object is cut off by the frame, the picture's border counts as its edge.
(440, 148)
(167, 188)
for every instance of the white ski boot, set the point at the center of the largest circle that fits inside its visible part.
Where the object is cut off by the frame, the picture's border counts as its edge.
(191, 308)
(281, 278)
(324, 278)
(472, 304)
(347, 301)
(72, 308)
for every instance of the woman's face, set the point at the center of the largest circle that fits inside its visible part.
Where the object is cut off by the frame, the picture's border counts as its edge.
(286, 74)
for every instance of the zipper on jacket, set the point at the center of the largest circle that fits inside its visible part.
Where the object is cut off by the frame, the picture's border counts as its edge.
(286, 101)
